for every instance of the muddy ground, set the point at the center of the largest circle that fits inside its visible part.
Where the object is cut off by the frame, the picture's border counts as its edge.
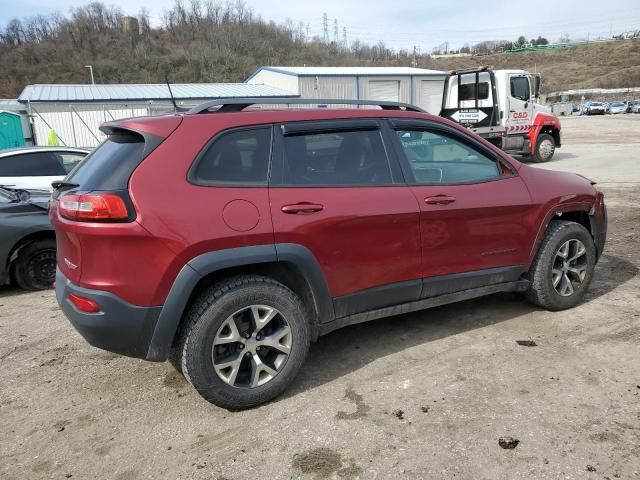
(425, 395)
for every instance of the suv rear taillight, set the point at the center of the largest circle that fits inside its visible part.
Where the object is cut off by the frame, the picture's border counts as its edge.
(93, 207)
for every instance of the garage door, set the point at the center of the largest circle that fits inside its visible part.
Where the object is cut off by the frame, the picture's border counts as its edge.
(431, 95)
(388, 90)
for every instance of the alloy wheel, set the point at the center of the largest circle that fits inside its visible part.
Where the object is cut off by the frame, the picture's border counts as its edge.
(569, 267)
(251, 346)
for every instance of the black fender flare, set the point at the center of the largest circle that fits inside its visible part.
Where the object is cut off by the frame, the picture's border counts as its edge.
(207, 263)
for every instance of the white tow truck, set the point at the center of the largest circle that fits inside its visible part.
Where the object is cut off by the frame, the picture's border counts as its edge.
(502, 106)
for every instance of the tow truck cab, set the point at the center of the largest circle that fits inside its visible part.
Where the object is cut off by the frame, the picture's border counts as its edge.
(502, 106)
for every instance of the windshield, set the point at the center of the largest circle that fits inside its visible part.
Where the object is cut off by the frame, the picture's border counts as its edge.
(616, 104)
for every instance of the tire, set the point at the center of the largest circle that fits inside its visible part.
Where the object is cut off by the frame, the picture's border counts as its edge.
(545, 148)
(35, 267)
(543, 273)
(234, 306)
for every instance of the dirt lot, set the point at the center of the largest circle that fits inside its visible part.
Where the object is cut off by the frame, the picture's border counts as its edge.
(425, 395)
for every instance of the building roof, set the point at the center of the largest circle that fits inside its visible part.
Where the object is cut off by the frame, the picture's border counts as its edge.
(347, 71)
(10, 105)
(145, 92)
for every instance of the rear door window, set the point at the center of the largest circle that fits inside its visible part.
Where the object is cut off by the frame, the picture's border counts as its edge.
(37, 164)
(335, 158)
(235, 157)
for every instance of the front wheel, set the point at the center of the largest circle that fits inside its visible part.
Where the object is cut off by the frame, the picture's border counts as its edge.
(545, 148)
(563, 266)
(245, 341)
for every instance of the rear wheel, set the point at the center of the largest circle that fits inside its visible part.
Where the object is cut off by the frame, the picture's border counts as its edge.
(245, 340)
(545, 148)
(35, 267)
(563, 266)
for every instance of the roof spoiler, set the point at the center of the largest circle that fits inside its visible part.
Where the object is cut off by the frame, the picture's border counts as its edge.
(239, 104)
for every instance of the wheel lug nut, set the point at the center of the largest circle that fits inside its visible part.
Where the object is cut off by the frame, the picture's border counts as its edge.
(241, 347)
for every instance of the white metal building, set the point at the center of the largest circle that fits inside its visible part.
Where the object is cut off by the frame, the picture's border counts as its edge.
(75, 112)
(417, 86)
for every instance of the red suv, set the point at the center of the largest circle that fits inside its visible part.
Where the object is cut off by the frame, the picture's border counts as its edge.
(228, 238)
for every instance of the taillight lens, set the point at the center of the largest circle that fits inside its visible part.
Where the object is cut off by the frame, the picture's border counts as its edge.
(93, 207)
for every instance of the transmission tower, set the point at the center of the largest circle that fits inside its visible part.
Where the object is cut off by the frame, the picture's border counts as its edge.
(325, 27)
(344, 36)
(335, 30)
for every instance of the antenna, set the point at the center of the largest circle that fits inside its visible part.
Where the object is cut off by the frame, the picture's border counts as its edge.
(173, 100)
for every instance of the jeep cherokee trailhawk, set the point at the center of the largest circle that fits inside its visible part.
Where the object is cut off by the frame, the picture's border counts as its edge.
(228, 238)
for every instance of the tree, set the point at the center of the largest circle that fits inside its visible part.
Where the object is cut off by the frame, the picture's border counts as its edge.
(540, 41)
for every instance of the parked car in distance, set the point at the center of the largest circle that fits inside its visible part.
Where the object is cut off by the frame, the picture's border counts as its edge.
(27, 239)
(614, 108)
(284, 225)
(594, 108)
(634, 107)
(37, 167)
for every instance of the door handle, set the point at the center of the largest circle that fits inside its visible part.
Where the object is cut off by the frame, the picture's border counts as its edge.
(439, 200)
(302, 208)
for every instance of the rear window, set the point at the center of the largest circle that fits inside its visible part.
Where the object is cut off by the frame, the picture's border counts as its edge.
(37, 164)
(111, 164)
(468, 91)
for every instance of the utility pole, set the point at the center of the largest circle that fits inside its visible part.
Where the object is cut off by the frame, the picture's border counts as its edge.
(325, 28)
(90, 67)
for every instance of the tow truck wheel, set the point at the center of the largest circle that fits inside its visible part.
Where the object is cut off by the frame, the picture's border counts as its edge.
(545, 147)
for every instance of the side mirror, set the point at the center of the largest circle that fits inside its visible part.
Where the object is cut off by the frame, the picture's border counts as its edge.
(537, 83)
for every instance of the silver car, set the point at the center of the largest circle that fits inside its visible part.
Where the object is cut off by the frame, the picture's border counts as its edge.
(616, 107)
(594, 108)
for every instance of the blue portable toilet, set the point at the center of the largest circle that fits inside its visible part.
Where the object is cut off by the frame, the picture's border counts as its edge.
(11, 134)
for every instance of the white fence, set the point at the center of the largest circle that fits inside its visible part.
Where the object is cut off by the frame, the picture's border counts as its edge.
(77, 125)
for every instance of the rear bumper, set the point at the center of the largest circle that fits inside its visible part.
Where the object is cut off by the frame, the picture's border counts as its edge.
(120, 327)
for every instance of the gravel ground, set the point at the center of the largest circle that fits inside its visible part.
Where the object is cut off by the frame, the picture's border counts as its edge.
(425, 395)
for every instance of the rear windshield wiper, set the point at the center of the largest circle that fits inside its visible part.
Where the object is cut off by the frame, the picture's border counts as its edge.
(63, 185)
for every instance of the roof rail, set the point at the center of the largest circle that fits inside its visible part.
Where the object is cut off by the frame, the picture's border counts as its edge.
(239, 104)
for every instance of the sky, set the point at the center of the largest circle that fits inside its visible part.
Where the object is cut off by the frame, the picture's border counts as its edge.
(426, 24)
